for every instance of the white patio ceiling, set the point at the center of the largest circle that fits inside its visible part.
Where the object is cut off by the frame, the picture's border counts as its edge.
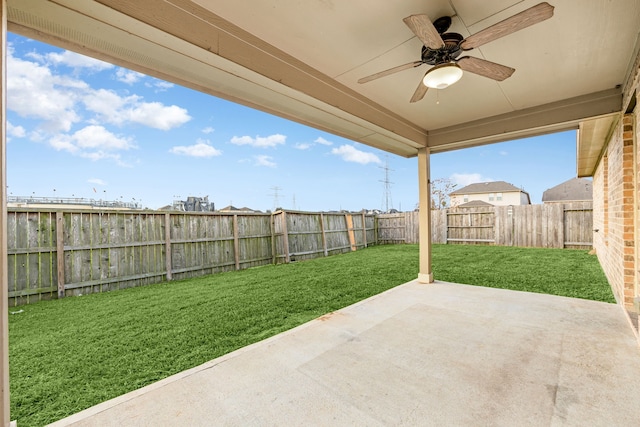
(301, 60)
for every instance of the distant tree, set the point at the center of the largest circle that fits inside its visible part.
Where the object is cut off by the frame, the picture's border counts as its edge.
(440, 190)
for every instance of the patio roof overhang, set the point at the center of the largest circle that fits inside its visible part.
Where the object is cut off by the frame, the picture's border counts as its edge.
(302, 62)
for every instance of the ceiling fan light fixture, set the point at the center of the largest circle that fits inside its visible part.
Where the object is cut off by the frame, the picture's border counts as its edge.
(443, 75)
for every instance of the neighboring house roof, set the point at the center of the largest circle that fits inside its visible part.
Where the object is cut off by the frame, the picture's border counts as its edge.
(474, 204)
(488, 187)
(232, 208)
(571, 190)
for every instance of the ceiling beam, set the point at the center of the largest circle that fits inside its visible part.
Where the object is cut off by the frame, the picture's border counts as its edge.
(554, 117)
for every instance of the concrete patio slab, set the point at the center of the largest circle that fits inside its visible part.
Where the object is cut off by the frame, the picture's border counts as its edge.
(438, 354)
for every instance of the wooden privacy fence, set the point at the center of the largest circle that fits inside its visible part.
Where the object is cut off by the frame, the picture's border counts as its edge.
(57, 253)
(557, 225)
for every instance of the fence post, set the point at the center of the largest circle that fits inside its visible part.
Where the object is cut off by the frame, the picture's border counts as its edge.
(446, 227)
(285, 234)
(562, 216)
(273, 238)
(406, 227)
(60, 251)
(512, 226)
(167, 246)
(352, 238)
(324, 236)
(364, 229)
(236, 243)
(375, 229)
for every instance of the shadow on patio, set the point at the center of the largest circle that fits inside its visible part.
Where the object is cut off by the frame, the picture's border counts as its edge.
(438, 354)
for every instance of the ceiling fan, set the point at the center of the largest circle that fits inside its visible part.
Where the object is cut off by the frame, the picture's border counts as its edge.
(442, 49)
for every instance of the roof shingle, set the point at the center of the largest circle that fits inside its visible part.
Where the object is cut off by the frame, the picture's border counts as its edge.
(574, 189)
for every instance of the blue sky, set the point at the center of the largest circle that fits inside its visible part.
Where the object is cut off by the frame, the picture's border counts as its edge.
(78, 127)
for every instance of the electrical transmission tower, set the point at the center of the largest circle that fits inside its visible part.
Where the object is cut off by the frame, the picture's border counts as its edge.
(387, 186)
(276, 197)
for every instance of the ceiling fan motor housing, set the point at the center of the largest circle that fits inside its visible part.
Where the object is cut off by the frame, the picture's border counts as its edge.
(447, 53)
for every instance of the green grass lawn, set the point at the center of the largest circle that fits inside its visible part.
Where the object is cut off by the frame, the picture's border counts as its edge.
(69, 354)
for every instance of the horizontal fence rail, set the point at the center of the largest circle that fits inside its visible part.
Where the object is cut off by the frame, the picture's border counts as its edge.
(58, 253)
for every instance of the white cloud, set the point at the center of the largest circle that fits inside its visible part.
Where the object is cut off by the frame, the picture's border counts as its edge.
(504, 153)
(321, 140)
(259, 141)
(63, 142)
(159, 85)
(75, 60)
(307, 145)
(464, 179)
(15, 131)
(101, 155)
(208, 130)
(92, 142)
(351, 154)
(119, 110)
(34, 92)
(105, 102)
(97, 137)
(202, 148)
(96, 181)
(263, 160)
(127, 76)
(157, 115)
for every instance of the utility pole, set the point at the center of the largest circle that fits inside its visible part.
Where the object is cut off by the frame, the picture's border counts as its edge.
(387, 185)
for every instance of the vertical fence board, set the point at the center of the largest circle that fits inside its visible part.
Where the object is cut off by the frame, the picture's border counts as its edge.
(12, 278)
(167, 245)
(438, 225)
(363, 221)
(22, 258)
(324, 236)
(60, 252)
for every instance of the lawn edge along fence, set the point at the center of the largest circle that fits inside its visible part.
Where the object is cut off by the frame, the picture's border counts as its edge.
(57, 253)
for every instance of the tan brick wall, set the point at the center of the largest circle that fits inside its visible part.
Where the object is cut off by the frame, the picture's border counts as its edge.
(616, 203)
(636, 122)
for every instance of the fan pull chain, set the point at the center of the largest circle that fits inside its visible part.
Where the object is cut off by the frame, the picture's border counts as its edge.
(437, 97)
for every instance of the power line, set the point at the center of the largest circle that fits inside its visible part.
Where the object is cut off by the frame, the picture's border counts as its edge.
(387, 185)
(276, 196)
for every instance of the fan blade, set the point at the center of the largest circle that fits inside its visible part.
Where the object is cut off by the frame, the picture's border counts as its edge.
(390, 71)
(420, 92)
(423, 28)
(517, 22)
(485, 68)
